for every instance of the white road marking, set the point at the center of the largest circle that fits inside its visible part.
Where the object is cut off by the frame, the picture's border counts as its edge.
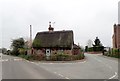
(60, 75)
(55, 72)
(17, 59)
(113, 75)
(67, 78)
(3, 60)
(27, 61)
(32, 62)
(82, 62)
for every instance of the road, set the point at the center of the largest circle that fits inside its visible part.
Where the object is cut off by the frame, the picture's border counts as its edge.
(92, 67)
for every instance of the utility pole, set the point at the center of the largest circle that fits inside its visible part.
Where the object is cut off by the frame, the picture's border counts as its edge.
(30, 36)
(30, 41)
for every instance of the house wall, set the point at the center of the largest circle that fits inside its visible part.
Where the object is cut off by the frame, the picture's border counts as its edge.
(116, 36)
(76, 51)
(42, 51)
(68, 52)
(40, 54)
(38, 51)
(64, 51)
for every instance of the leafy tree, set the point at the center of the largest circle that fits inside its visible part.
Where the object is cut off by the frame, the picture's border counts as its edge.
(98, 46)
(16, 45)
(4, 50)
(86, 48)
(97, 42)
(89, 43)
(90, 49)
(36, 43)
(8, 52)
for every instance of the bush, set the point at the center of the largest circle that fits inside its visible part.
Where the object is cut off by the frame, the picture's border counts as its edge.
(27, 57)
(8, 52)
(22, 51)
(15, 52)
(38, 57)
(66, 57)
(60, 57)
(78, 57)
(90, 49)
(113, 53)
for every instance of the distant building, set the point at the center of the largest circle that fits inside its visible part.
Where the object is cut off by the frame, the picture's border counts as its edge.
(116, 36)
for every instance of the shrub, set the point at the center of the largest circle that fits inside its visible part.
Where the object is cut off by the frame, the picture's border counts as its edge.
(38, 57)
(27, 57)
(22, 51)
(66, 57)
(90, 49)
(78, 57)
(113, 53)
(62, 57)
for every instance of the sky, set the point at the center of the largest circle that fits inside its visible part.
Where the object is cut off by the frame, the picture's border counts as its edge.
(87, 18)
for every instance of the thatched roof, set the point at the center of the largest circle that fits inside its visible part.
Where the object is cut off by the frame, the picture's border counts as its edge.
(60, 39)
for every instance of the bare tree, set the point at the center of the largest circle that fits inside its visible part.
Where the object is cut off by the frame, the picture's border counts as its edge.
(89, 43)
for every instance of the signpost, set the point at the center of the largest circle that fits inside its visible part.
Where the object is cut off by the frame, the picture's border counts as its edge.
(48, 54)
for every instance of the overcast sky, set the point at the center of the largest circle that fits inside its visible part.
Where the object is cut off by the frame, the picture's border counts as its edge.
(87, 18)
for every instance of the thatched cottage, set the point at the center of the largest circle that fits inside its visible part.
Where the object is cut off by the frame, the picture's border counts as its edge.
(52, 42)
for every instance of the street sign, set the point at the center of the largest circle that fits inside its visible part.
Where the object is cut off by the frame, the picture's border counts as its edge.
(47, 52)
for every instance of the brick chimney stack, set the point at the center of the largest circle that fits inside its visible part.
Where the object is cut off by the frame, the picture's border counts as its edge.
(50, 28)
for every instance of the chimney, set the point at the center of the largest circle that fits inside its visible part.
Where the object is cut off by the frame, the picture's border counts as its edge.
(50, 28)
(114, 25)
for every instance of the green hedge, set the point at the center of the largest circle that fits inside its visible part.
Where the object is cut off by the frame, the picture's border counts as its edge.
(27, 57)
(60, 56)
(113, 53)
(66, 57)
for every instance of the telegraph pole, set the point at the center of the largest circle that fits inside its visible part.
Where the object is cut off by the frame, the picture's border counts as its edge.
(30, 41)
(30, 36)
